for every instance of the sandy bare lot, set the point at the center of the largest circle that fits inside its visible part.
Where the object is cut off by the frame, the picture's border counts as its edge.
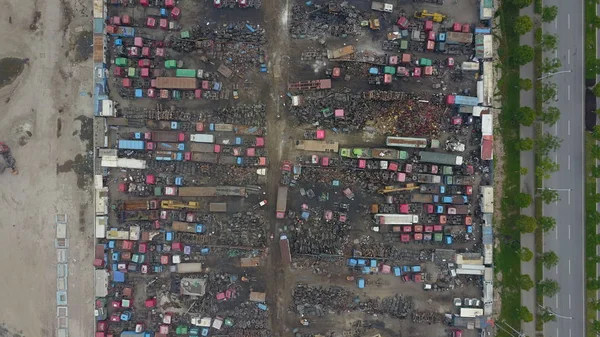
(41, 120)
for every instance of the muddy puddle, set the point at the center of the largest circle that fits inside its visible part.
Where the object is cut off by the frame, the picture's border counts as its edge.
(10, 69)
(83, 46)
(83, 168)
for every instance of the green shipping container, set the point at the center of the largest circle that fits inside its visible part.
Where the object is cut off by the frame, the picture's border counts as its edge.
(437, 237)
(389, 70)
(424, 62)
(170, 64)
(121, 61)
(185, 34)
(185, 73)
(131, 72)
(158, 191)
(404, 45)
(176, 94)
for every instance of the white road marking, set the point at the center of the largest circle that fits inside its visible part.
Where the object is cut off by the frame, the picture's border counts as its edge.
(556, 158)
(568, 21)
(569, 92)
(569, 162)
(556, 53)
(557, 302)
(556, 129)
(569, 305)
(569, 329)
(556, 232)
(569, 127)
(569, 56)
(569, 198)
(569, 234)
(556, 269)
(556, 23)
(569, 267)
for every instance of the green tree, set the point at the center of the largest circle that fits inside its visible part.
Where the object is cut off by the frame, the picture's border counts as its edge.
(546, 315)
(521, 3)
(550, 116)
(526, 115)
(545, 168)
(549, 42)
(525, 84)
(546, 143)
(524, 171)
(594, 197)
(525, 144)
(595, 304)
(523, 55)
(595, 21)
(526, 282)
(549, 259)
(548, 91)
(550, 65)
(596, 326)
(523, 25)
(548, 287)
(548, 195)
(593, 216)
(525, 254)
(595, 171)
(593, 284)
(525, 314)
(549, 13)
(546, 223)
(596, 90)
(526, 224)
(595, 151)
(596, 132)
(523, 200)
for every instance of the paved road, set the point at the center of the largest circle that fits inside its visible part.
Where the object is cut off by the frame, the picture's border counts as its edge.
(568, 238)
(527, 181)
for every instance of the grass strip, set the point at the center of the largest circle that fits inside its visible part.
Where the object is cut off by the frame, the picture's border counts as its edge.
(590, 230)
(507, 260)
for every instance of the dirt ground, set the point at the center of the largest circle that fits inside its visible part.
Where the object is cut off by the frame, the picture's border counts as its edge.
(41, 120)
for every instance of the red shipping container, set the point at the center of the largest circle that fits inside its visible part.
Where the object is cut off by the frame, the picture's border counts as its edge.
(437, 228)
(431, 36)
(160, 52)
(126, 82)
(151, 93)
(151, 22)
(99, 263)
(145, 3)
(418, 236)
(417, 72)
(428, 25)
(393, 166)
(145, 72)
(450, 99)
(405, 237)
(466, 28)
(164, 259)
(198, 95)
(205, 85)
(175, 13)
(260, 141)
(145, 51)
(169, 3)
(164, 24)
(126, 20)
(336, 72)
(456, 27)
(177, 246)
(250, 152)
(138, 41)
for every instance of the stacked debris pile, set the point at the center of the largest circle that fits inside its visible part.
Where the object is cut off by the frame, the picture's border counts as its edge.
(318, 301)
(321, 21)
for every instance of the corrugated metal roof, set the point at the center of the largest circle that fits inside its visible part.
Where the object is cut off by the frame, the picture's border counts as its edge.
(487, 148)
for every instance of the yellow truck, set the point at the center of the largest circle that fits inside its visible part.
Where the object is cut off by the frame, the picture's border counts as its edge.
(174, 204)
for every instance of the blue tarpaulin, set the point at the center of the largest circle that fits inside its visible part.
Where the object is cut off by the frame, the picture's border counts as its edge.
(361, 283)
(397, 271)
(352, 262)
(118, 276)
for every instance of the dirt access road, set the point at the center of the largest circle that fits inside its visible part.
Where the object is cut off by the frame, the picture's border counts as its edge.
(44, 118)
(280, 282)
